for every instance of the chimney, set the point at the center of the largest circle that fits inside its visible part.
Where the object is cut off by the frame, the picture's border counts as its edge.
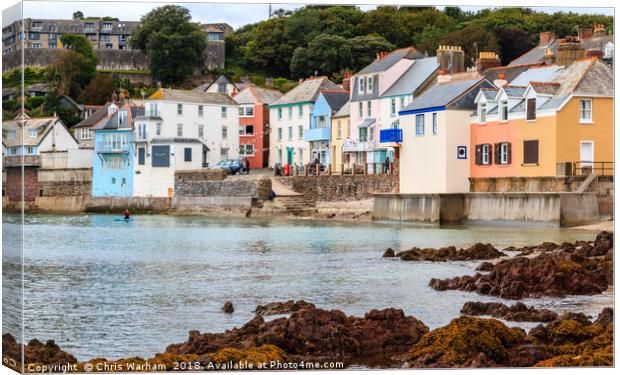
(569, 50)
(381, 55)
(599, 30)
(549, 57)
(593, 52)
(346, 81)
(443, 76)
(546, 37)
(451, 58)
(585, 32)
(487, 60)
(501, 80)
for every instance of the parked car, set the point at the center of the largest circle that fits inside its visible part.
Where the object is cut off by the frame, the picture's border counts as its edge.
(232, 166)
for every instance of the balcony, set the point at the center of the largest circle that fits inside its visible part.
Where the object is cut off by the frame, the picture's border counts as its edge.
(354, 146)
(107, 148)
(316, 134)
(16, 161)
(391, 135)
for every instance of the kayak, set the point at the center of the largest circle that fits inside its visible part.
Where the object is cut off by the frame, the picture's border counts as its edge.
(123, 219)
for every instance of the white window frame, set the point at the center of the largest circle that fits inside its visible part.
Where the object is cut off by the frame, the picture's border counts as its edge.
(482, 113)
(300, 109)
(224, 131)
(434, 123)
(503, 153)
(485, 151)
(419, 125)
(369, 85)
(280, 113)
(503, 104)
(290, 133)
(201, 111)
(361, 83)
(369, 108)
(582, 111)
(201, 131)
(393, 107)
(179, 109)
(158, 128)
(300, 132)
(11, 134)
(360, 109)
(179, 130)
(32, 133)
(224, 111)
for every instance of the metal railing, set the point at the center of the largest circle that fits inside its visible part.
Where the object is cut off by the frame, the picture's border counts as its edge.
(600, 168)
(343, 169)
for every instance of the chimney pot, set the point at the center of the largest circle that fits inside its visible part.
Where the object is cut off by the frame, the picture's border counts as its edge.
(546, 37)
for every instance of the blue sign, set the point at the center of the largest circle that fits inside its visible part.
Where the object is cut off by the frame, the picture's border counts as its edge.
(461, 152)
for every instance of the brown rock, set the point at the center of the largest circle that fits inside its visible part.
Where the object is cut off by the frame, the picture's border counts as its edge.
(34, 352)
(389, 253)
(476, 252)
(518, 312)
(276, 308)
(228, 307)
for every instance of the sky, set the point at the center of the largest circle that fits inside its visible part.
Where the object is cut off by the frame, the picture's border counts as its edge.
(234, 14)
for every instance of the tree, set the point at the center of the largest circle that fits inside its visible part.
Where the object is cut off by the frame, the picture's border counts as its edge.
(99, 90)
(78, 15)
(174, 45)
(82, 46)
(271, 48)
(513, 43)
(365, 49)
(67, 72)
(473, 39)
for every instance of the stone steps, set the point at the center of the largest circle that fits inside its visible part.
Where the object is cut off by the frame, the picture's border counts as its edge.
(298, 204)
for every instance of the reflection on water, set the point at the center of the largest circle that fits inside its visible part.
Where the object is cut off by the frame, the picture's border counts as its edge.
(102, 288)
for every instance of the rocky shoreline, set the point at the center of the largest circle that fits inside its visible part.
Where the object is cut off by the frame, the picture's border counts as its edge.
(389, 338)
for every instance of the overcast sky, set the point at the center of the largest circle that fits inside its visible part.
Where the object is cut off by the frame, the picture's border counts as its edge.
(234, 14)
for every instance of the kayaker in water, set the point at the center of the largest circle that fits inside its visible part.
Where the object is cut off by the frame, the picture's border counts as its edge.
(127, 214)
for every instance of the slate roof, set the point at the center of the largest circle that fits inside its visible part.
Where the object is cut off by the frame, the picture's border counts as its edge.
(442, 94)
(546, 88)
(192, 96)
(489, 93)
(344, 111)
(335, 99)
(112, 122)
(9, 91)
(253, 94)
(388, 61)
(94, 118)
(510, 72)
(414, 77)
(39, 87)
(537, 54)
(542, 74)
(63, 26)
(307, 91)
(514, 91)
(42, 124)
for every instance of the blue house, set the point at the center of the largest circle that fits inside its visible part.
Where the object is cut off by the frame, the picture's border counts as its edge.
(327, 104)
(114, 154)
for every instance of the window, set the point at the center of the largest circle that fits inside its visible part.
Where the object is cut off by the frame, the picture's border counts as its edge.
(482, 113)
(419, 124)
(179, 109)
(31, 150)
(290, 113)
(123, 181)
(200, 111)
(247, 111)
(11, 134)
(530, 152)
(320, 121)
(158, 128)
(221, 87)
(187, 154)
(52, 45)
(160, 156)
(300, 132)
(211, 35)
(483, 154)
(585, 110)
(201, 131)
(224, 112)
(300, 109)
(503, 110)
(224, 132)
(32, 133)
(434, 123)
(36, 45)
(37, 24)
(249, 129)
(107, 26)
(370, 83)
(339, 129)
(115, 162)
(290, 133)
(85, 133)
(363, 133)
(402, 103)
(141, 156)
(361, 82)
(113, 181)
(224, 153)
(11, 151)
(246, 150)
(279, 113)
(300, 155)
(280, 156)
(371, 134)
(369, 108)
(393, 107)
(502, 153)
(152, 110)
(530, 109)
(142, 131)
(35, 36)
(279, 134)
(92, 37)
(104, 37)
(360, 108)
(179, 130)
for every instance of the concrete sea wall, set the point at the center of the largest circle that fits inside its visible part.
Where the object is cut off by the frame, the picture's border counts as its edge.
(341, 188)
(550, 209)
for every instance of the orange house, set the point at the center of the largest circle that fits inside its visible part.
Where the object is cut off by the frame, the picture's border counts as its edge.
(561, 124)
(254, 124)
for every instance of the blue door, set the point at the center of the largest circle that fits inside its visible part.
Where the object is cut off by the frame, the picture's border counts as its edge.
(289, 155)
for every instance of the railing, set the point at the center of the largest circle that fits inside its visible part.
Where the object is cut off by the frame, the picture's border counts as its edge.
(391, 135)
(316, 134)
(16, 161)
(343, 169)
(600, 168)
(107, 148)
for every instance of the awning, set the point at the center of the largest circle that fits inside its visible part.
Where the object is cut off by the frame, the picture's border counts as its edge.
(368, 122)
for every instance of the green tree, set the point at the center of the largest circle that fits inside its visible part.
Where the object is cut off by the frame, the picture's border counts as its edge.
(99, 90)
(67, 72)
(78, 15)
(271, 48)
(81, 45)
(173, 44)
(365, 49)
(472, 39)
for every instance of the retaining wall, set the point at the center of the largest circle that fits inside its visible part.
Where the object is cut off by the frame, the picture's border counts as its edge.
(341, 187)
(210, 183)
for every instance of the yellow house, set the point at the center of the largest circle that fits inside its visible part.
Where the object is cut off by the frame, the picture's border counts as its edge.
(340, 131)
(559, 124)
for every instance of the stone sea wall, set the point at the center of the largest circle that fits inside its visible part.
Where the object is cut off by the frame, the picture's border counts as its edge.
(341, 188)
(210, 183)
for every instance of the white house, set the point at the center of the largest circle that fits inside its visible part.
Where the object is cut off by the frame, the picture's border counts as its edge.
(182, 130)
(289, 118)
(38, 134)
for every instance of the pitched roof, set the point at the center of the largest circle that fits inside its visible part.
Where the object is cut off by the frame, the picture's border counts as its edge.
(307, 91)
(514, 91)
(94, 118)
(489, 93)
(546, 88)
(344, 111)
(572, 77)
(253, 94)
(42, 124)
(442, 94)
(414, 77)
(112, 121)
(537, 54)
(192, 96)
(542, 74)
(335, 99)
(40, 87)
(385, 63)
(510, 72)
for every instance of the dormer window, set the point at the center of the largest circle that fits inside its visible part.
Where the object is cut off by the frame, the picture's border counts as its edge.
(370, 84)
(482, 113)
(122, 115)
(362, 85)
(503, 110)
(112, 109)
(530, 109)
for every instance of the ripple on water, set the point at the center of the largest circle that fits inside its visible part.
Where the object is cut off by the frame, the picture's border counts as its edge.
(102, 288)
